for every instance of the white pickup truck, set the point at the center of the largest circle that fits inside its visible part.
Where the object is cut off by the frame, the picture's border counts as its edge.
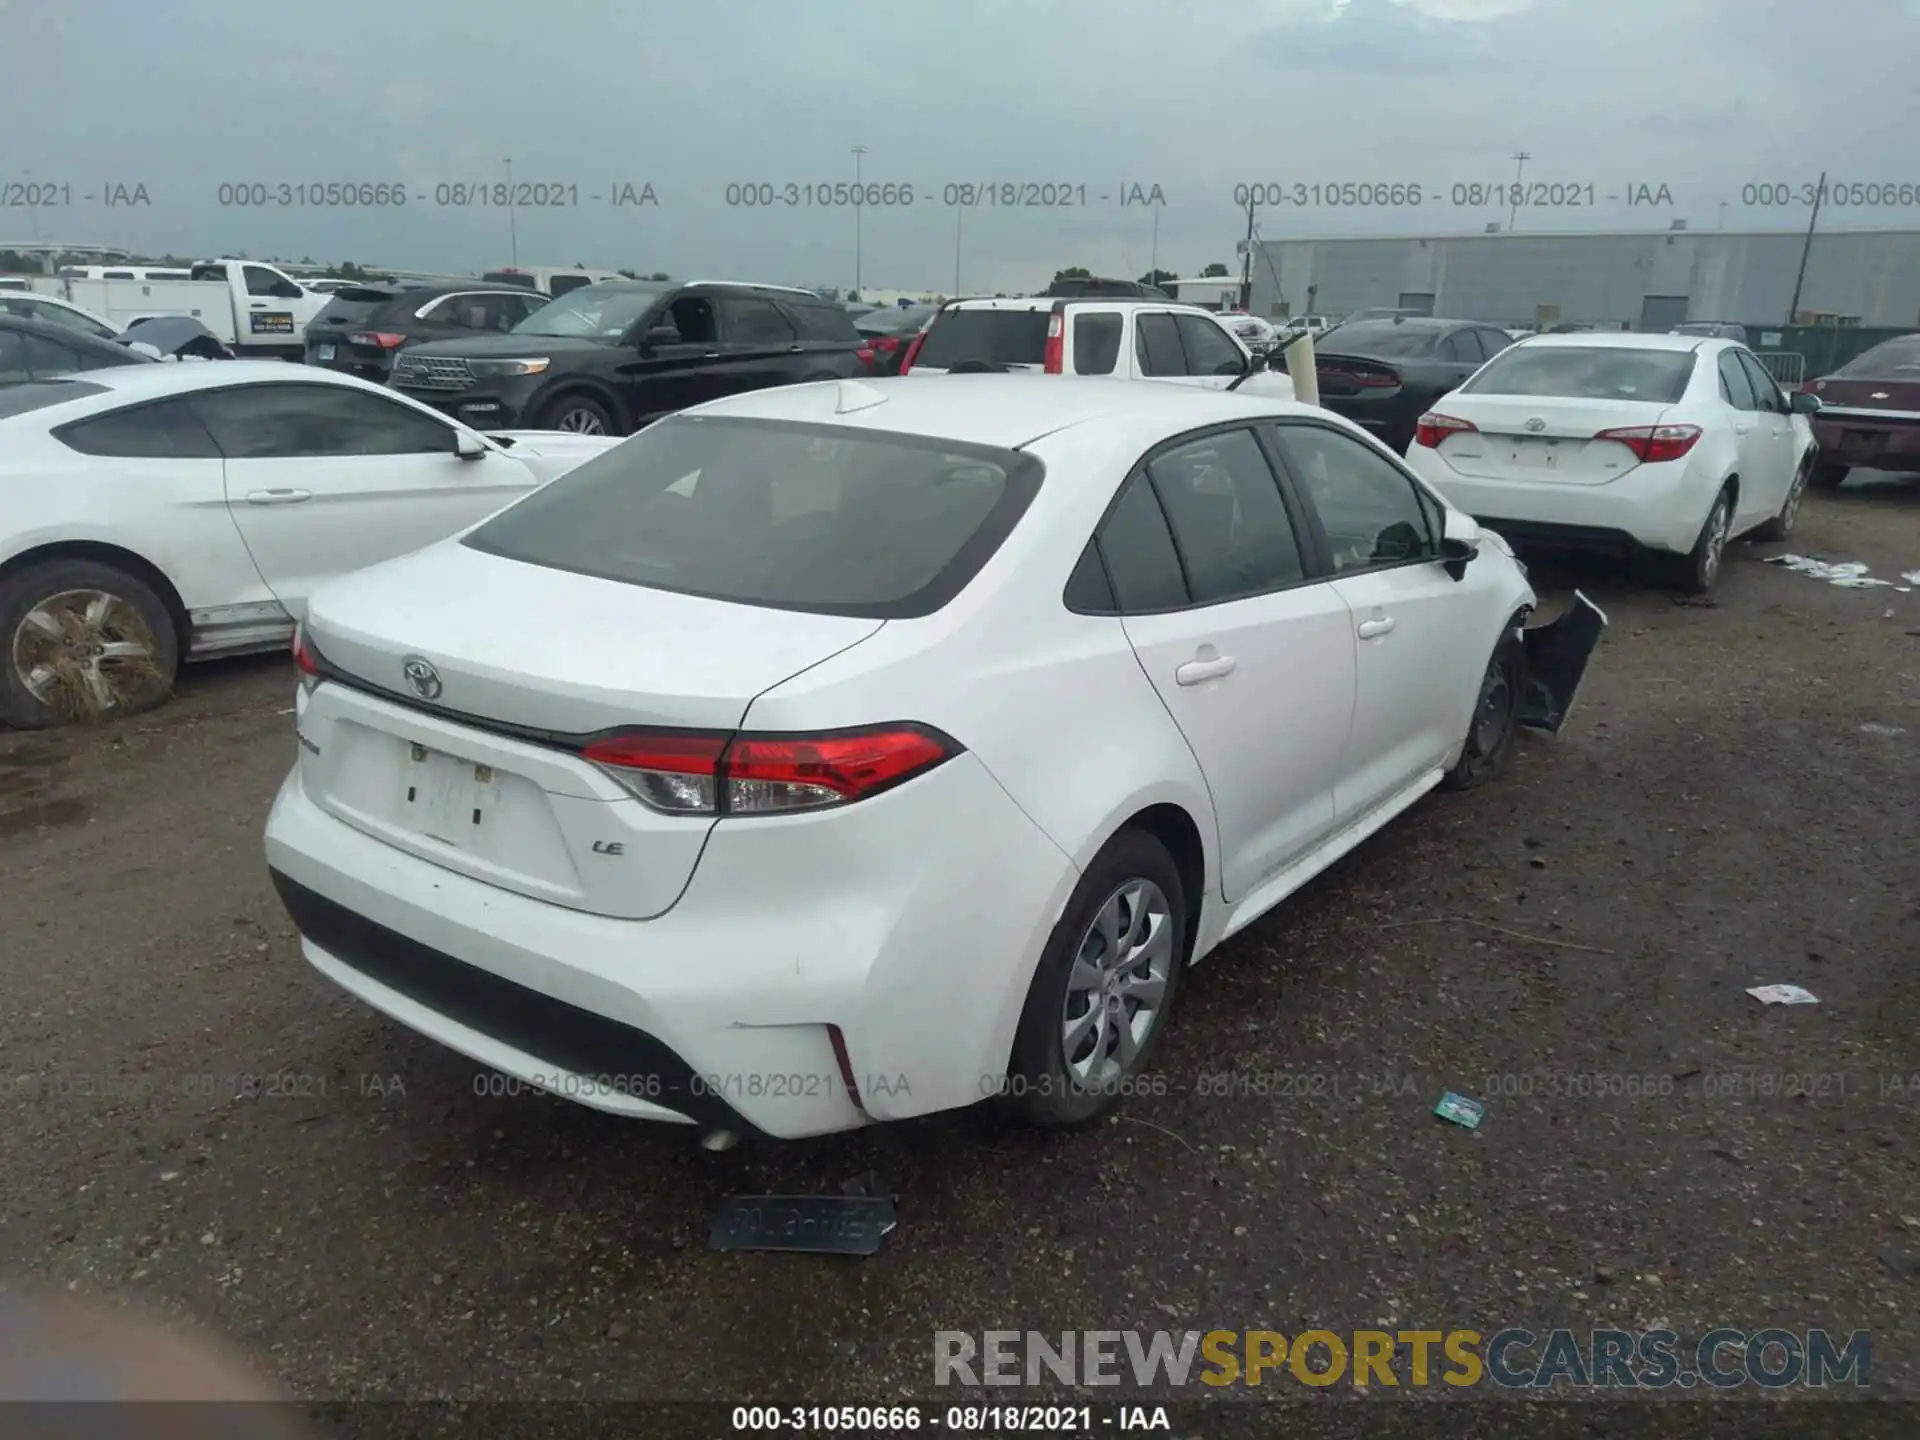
(253, 308)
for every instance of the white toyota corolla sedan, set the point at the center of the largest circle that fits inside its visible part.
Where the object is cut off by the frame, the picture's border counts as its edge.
(1670, 444)
(851, 751)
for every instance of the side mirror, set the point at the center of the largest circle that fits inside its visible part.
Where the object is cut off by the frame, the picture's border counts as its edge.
(467, 445)
(1459, 542)
(659, 335)
(1801, 403)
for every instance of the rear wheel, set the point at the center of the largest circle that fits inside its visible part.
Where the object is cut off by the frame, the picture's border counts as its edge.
(83, 641)
(1828, 474)
(1696, 572)
(1496, 717)
(578, 415)
(1781, 526)
(1099, 998)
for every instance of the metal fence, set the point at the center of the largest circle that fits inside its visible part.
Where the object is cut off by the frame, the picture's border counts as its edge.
(1788, 367)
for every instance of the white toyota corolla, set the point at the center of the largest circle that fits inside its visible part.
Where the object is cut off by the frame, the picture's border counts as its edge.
(1664, 443)
(851, 751)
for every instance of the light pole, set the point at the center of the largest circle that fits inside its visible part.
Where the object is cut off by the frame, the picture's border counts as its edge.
(513, 223)
(959, 211)
(1153, 269)
(1520, 168)
(858, 151)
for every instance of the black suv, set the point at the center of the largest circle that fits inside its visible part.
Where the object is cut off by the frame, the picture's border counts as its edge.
(363, 327)
(607, 359)
(1095, 288)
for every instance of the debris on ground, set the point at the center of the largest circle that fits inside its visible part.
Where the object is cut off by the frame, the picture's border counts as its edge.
(810, 1224)
(1782, 995)
(1899, 1262)
(1889, 730)
(1910, 577)
(1460, 1110)
(1851, 574)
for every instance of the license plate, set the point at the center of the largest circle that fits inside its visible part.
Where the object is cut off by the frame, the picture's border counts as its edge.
(323, 353)
(1537, 455)
(446, 798)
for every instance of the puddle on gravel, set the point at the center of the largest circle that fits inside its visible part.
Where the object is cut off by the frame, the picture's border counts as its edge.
(52, 812)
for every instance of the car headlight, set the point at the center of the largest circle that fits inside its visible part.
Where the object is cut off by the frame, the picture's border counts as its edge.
(534, 366)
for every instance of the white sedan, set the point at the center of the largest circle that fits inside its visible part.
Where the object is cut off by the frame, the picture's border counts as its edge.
(1670, 444)
(154, 513)
(850, 751)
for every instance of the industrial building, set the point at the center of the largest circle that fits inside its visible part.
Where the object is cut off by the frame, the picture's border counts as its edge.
(1638, 281)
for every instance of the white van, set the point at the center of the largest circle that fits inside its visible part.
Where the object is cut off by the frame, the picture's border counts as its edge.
(554, 280)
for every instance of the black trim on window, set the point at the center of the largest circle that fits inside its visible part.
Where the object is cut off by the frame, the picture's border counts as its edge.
(1090, 589)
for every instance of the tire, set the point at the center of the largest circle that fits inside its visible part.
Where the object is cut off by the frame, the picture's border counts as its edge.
(1496, 717)
(1781, 526)
(1696, 572)
(580, 415)
(103, 645)
(1044, 1084)
(1828, 474)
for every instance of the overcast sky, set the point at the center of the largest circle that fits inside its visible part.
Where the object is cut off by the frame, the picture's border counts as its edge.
(1704, 97)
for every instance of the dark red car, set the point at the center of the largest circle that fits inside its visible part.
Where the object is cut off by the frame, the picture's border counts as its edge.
(1869, 412)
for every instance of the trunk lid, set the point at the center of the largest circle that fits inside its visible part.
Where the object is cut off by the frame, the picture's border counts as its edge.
(1852, 392)
(1344, 376)
(475, 767)
(1533, 439)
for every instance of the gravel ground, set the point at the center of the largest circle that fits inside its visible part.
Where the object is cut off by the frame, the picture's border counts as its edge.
(1733, 804)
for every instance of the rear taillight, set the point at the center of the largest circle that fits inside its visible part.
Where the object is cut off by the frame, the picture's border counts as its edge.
(681, 773)
(864, 355)
(1374, 380)
(1431, 429)
(886, 344)
(380, 339)
(1056, 342)
(913, 350)
(1654, 443)
(305, 659)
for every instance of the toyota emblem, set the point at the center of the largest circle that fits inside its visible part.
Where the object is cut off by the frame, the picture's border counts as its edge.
(421, 675)
(1536, 424)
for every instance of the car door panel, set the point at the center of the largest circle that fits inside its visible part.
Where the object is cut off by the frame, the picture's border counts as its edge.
(663, 375)
(321, 481)
(759, 345)
(1773, 420)
(1751, 437)
(1251, 654)
(1412, 623)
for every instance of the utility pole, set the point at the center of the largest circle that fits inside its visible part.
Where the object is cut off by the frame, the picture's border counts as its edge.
(858, 151)
(1793, 306)
(1246, 261)
(958, 212)
(1153, 265)
(513, 224)
(1520, 168)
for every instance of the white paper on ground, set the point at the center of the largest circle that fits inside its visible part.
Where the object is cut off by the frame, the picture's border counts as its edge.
(1782, 995)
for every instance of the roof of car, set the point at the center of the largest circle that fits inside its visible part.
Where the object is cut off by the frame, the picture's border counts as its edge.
(1003, 410)
(61, 334)
(1047, 302)
(1618, 339)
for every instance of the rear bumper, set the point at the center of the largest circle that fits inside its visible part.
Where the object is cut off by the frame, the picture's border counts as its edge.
(913, 928)
(1651, 507)
(1391, 419)
(1890, 443)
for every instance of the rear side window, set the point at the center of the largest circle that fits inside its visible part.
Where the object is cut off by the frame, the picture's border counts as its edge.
(754, 322)
(798, 517)
(21, 399)
(563, 283)
(1735, 388)
(1138, 550)
(510, 277)
(999, 337)
(1096, 342)
(48, 359)
(1227, 516)
(1157, 346)
(822, 322)
(166, 431)
(1586, 373)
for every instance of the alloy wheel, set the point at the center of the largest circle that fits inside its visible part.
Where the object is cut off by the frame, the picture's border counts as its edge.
(1117, 984)
(83, 652)
(582, 422)
(1716, 540)
(1490, 715)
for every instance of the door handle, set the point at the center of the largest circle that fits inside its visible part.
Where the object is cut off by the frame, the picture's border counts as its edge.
(1740, 429)
(711, 355)
(1374, 629)
(795, 349)
(1194, 672)
(278, 497)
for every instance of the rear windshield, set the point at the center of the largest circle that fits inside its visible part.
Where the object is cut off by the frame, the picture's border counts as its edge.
(39, 394)
(1001, 337)
(796, 517)
(1586, 373)
(1373, 337)
(893, 322)
(354, 302)
(1885, 358)
(509, 277)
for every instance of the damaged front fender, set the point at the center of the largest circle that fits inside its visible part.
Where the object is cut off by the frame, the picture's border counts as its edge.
(1557, 657)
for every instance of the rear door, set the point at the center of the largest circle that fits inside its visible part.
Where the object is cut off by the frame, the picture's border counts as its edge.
(1250, 650)
(1215, 358)
(323, 479)
(1093, 340)
(828, 340)
(1157, 351)
(1416, 632)
(1752, 428)
(759, 345)
(1764, 493)
(679, 367)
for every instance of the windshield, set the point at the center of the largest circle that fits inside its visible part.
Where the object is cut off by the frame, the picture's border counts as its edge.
(592, 312)
(1586, 373)
(801, 517)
